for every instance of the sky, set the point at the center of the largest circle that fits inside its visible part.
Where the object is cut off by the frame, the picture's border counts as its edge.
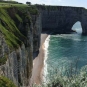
(77, 3)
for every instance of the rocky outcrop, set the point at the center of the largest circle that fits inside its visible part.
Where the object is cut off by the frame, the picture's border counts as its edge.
(16, 63)
(36, 34)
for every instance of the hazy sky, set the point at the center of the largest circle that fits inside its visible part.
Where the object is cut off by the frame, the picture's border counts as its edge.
(78, 3)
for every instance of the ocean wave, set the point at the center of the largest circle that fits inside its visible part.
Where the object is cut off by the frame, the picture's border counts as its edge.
(45, 58)
(74, 37)
(77, 39)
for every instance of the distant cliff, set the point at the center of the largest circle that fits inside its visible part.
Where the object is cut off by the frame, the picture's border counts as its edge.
(20, 31)
(60, 19)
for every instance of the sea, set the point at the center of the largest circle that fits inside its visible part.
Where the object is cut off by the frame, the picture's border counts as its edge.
(65, 53)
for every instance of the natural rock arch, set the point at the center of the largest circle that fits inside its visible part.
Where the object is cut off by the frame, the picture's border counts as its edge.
(62, 19)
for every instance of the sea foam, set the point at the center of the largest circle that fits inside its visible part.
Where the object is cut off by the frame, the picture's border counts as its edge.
(46, 44)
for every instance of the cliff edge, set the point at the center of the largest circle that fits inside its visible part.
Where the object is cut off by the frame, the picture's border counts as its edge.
(20, 31)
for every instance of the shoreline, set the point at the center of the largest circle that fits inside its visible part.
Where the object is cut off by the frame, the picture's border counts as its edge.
(38, 63)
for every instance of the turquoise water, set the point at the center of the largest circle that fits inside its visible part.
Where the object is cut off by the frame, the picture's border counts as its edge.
(66, 51)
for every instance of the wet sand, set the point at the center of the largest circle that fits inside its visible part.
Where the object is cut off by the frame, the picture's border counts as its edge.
(38, 63)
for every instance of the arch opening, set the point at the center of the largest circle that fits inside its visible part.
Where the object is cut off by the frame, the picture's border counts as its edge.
(77, 27)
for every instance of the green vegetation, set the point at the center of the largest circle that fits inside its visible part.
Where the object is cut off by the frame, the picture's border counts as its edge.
(12, 2)
(9, 29)
(8, 3)
(11, 16)
(8, 25)
(59, 80)
(18, 17)
(33, 10)
(25, 8)
(5, 82)
(3, 60)
(22, 7)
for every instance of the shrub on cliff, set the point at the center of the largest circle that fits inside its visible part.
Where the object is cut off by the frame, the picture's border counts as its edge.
(3, 60)
(28, 3)
(5, 82)
(76, 80)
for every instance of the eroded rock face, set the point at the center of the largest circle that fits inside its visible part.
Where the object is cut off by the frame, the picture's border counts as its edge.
(3, 46)
(36, 34)
(17, 65)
